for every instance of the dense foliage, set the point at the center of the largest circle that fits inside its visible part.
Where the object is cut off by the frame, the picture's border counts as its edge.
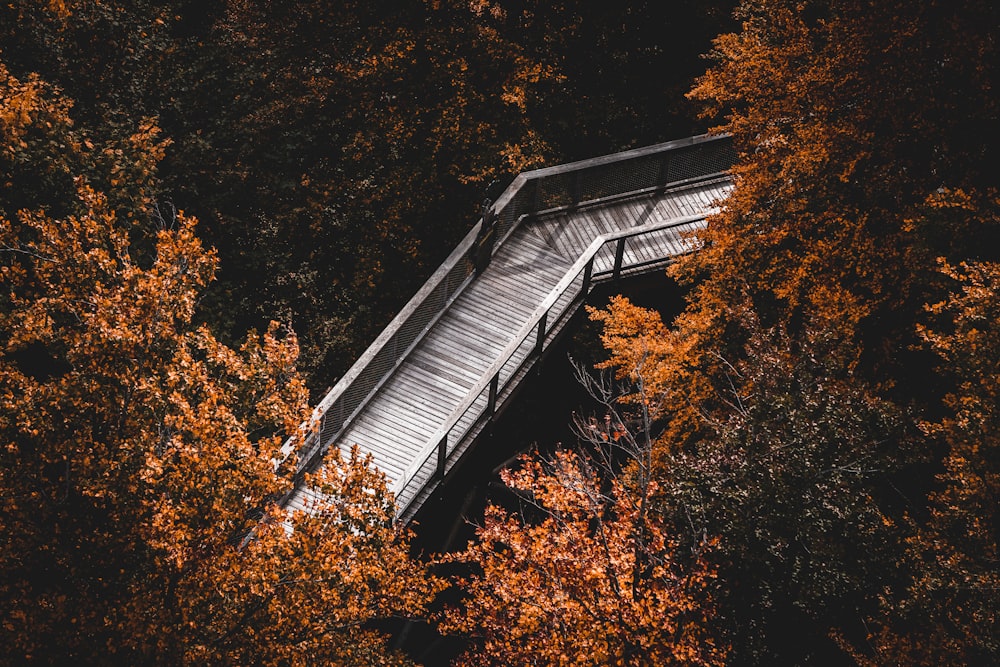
(803, 469)
(332, 151)
(589, 580)
(820, 415)
(138, 458)
(823, 408)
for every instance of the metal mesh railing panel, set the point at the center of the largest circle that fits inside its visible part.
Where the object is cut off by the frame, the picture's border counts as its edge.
(592, 183)
(609, 181)
(551, 192)
(698, 160)
(521, 203)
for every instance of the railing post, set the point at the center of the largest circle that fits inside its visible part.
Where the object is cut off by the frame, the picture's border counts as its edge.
(619, 256)
(588, 273)
(442, 455)
(664, 171)
(321, 427)
(576, 188)
(491, 402)
(540, 340)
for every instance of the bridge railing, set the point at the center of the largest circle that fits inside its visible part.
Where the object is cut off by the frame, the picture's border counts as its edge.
(563, 186)
(607, 257)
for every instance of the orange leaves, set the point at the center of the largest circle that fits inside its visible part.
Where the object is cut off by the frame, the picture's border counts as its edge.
(304, 588)
(85, 273)
(481, 7)
(136, 453)
(20, 102)
(830, 223)
(857, 173)
(637, 339)
(580, 577)
(672, 363)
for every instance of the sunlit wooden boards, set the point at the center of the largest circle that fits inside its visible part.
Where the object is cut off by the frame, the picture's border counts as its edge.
(402, 417)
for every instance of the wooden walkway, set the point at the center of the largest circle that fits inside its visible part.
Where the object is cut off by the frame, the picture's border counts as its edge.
(430, 396)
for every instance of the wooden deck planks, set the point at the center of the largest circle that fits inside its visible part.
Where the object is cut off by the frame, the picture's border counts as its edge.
(458, 335)
(506, 287)
(413, 403)
(468, 322)
(523, 276)
(434, 374)
(580, 232)
(421, 414)
(633, 252)
(529, 246)
(468, 344)
(400, 423)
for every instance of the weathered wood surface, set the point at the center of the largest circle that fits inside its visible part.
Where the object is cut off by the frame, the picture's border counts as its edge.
(398, 422)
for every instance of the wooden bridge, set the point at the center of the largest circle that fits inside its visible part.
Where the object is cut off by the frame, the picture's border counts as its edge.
(422, 393)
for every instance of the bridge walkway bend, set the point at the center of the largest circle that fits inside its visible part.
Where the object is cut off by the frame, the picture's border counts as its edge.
(421, 394)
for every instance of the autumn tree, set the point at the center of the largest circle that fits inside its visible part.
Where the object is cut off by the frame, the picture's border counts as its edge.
(138, 452)
(957, 550)
(862, 165)
(584, 571)
(790, 469)
(794, 382)
(948, 612)
(848, 114)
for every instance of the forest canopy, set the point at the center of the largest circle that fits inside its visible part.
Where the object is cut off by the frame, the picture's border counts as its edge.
(207, 209)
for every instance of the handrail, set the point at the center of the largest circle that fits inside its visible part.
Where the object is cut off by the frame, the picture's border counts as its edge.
(562, 186)
(490, 377)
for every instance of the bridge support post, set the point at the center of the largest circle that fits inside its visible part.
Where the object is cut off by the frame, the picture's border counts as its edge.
(588, 273)
(442, 456)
